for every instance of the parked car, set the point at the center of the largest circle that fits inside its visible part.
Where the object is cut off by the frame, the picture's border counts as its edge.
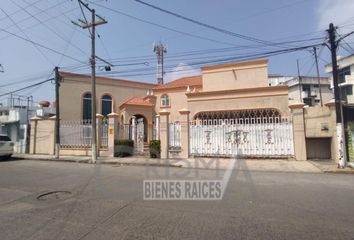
(6, 146)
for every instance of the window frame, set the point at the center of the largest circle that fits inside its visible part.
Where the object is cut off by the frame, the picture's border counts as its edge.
(163, 99)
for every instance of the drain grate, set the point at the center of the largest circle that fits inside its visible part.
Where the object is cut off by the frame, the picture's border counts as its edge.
(54, 196)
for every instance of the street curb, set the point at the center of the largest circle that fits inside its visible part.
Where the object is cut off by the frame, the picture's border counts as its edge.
(339, 171)
(99, 162)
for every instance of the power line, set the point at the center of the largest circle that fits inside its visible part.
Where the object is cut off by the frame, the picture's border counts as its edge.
(27, 37)
(27, 87)
(50, 29)
(42, 46)
(252, 39)
(162, 26)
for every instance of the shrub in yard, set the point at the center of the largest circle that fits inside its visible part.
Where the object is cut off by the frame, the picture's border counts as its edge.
(123, 148)
(155, 148)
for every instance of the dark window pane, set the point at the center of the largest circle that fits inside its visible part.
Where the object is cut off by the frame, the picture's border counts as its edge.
(86, 111)
(106, 105)
(5, 138)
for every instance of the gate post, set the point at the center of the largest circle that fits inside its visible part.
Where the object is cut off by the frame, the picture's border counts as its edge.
(164, 133)
(99, 118)
(297, 112)
(134, 130)
(112, 129)
(184, 133)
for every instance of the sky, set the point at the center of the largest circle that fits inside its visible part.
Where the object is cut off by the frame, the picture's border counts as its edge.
(37, 35)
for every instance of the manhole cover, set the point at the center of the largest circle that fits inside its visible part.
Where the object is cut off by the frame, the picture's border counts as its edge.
(54, 196)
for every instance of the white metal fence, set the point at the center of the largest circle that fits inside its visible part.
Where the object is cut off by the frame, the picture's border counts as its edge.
(175, 135)
(75, 134)
(247, 137)
(125, 131)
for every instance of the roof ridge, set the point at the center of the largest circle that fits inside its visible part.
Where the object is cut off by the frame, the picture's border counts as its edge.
(109, 78)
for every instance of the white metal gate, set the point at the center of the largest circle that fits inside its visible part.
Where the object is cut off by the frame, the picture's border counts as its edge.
(246, 137)
(140, 135)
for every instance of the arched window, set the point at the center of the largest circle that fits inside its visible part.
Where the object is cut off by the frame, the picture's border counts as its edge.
(86, 106)
(106, 105)
(165, 100)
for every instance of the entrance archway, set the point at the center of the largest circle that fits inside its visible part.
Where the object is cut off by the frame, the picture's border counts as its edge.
(139, 117)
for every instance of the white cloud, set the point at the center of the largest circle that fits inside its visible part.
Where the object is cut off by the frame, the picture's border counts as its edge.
(181, 70)
(335, 11)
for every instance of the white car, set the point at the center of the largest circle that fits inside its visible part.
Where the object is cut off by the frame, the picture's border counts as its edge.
(6, 146)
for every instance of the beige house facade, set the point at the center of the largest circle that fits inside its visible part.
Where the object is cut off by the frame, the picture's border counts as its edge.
(229, 110)
(220, 89)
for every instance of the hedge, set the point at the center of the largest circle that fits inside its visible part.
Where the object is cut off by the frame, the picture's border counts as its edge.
(155, 148)
(123, 148)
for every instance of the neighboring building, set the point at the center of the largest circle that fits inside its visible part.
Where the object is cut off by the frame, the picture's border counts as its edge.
(345, 83)
(309, 91)
(345, 77)
(14, 118)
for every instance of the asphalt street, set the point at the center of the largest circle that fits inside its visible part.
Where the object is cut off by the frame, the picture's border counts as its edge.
(106, 202)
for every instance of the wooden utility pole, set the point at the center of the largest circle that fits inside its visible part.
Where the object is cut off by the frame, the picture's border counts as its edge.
(339, 109)
(57, 112)
(318, 75)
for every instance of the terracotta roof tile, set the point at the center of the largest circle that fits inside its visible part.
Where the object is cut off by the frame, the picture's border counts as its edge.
(182, 82)
(137, 101)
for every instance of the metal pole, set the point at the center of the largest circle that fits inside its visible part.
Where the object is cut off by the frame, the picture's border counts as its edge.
(57, 113)
(318, 75)
(339, 109)
(28, 132)
(93, 89)
(299, 78)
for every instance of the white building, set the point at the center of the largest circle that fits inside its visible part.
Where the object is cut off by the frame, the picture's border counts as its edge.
(345, 77)
(305, 89)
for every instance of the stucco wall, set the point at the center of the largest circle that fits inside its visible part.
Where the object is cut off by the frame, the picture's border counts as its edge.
(317, 119)
(72, 90)
(236, 77)
(274, 97)
(178, 101)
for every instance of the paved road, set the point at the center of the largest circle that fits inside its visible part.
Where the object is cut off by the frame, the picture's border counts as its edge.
(106, 203)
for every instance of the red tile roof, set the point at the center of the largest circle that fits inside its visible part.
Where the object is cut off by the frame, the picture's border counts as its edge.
(182, 82)
(137, 101)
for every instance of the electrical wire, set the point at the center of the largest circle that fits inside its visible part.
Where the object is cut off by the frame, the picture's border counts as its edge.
(42, 46)
(252, 39)
(28, 38)
(49, 28)
(27, 87)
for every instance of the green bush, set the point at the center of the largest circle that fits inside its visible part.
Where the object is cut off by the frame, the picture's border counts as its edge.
(155, 148)
(123, 148)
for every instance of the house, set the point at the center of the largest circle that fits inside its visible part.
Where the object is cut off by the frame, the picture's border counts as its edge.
(220, 92)
(229, 110)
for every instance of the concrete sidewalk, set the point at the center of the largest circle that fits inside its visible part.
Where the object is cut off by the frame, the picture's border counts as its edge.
(270, 165)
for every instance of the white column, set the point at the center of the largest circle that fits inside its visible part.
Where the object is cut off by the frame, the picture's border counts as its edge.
(134, 129)
(157, 127)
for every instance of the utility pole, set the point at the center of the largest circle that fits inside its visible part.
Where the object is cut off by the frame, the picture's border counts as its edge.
(28, 132)
(160, 49)
(57, 112)
(339, 110)
(299, 78)
(92, 25)
(318, 75)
